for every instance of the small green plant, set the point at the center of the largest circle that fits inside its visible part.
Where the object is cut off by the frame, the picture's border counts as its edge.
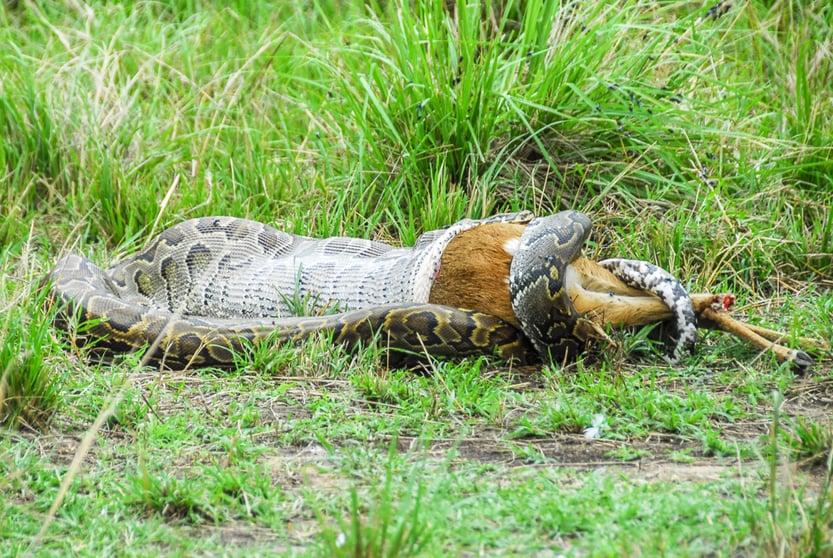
(681, 456)
(780, 533)
(208, 493)
(810, 442)
(391, 525)
(529, 453)
(381, 385)
(461, 387)
(29, 388)
(170, 497)
(244, 488)
(306, 304)
(627, 453)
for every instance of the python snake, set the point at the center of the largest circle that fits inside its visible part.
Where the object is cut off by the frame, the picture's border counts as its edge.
(207, 288)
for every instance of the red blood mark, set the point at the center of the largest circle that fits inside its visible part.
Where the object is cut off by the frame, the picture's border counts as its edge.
(727, 300)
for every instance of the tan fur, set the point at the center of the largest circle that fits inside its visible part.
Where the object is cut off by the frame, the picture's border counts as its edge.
(474, 274)
(605, 299)
(474, 271)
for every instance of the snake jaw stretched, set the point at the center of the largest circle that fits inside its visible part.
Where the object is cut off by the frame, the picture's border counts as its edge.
(543, 284)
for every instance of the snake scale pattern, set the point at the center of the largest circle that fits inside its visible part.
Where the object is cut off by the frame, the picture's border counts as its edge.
(206, 288)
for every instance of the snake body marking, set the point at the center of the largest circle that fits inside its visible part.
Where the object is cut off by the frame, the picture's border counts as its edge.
(205, 288)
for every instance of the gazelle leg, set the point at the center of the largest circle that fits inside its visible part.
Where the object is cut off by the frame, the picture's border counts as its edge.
(657, 281)
(610, 300)
(713, 313)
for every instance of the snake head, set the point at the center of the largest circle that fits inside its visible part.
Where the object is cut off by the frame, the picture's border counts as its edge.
(537, 287)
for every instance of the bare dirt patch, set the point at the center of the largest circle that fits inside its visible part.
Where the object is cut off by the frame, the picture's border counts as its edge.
(167, 396)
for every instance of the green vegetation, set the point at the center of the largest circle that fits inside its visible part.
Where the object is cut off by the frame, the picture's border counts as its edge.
(696, 135)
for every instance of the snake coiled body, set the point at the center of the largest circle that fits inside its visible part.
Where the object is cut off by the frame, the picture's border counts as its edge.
(206, 288)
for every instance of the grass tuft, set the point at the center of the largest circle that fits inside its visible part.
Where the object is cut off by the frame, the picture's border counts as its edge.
(696, 135)
(391, 525)
(30, 391)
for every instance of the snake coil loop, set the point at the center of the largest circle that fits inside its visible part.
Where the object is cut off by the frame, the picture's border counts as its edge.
(204, 288)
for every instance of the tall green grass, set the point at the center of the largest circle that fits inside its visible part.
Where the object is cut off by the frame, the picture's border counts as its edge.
(696, 134)
(30, 390)
(398, 119)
